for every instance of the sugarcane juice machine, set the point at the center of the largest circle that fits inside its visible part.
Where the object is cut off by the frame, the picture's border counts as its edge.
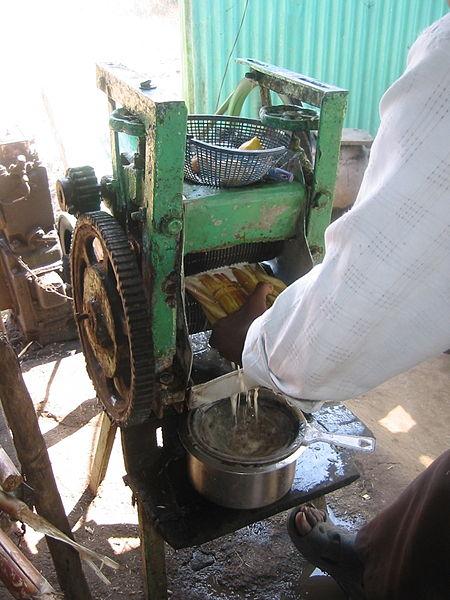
(128, 264)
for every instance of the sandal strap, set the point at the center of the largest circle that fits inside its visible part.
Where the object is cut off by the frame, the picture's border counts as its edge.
(333, 544)
(332, 549)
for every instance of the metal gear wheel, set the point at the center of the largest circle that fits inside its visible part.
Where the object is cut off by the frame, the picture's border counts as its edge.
(78, 192)
(113, 318)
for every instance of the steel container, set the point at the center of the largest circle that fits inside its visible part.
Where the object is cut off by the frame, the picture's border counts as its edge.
(252, 483)
(237, 485)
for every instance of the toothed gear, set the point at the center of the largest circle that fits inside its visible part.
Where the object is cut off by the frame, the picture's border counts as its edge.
(113, 318)
(79, 191)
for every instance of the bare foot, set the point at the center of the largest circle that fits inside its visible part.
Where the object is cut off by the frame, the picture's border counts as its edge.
(307, 517)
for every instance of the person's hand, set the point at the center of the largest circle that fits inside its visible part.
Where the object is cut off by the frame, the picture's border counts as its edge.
(228, 334)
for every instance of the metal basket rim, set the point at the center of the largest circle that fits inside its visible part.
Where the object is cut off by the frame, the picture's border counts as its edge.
(235, 118)
(236, 151)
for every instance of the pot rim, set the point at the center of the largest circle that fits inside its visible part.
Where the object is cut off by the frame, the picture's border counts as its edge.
(242, 465)
(236, 467)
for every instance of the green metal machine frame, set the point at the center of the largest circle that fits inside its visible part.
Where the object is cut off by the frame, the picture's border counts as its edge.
(128, 276)
(166, 219)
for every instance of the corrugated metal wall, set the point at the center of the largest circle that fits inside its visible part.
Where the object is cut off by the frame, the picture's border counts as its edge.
(360, 45)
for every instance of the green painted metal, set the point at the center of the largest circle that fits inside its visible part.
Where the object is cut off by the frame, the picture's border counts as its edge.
(122, 122)
(168, 219)
(165, 209)
(332, 113)
(220, 218)
(158, 176)
(331, 103)
(359, 45)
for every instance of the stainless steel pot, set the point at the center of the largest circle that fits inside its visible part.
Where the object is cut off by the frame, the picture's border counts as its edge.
(252, 483)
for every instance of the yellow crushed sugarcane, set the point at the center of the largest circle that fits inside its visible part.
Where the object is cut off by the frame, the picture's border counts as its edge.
(261, 275)
(249, 277)
(212, 309)
(225, 292)
(245, 278)
(220, 295)
(239, 293)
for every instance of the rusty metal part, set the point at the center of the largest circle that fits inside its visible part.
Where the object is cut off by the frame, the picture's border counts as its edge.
(18, 574)
(65, 224)
(112, 318)
(99, 322)
(79, 191)
(14, 143)
(42, 315)
(25, 202)
(14, 183)
(30, 254)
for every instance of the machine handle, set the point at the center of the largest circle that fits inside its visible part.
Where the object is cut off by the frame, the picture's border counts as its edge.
(122, 121)
(354, 442)
(289, 117)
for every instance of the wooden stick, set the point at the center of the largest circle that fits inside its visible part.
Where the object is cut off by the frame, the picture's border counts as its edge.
(19, 575)
(19, 511)
(35, 461)
(10, 478)
(103, 448)
(2, 324)
(22, 352)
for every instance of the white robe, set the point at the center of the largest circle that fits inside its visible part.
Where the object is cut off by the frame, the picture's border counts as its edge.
(380, 301)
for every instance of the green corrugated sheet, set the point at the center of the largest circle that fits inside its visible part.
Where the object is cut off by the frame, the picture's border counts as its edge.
(360, 45)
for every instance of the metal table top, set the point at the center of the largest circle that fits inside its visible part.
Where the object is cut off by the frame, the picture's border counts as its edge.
(159, 481)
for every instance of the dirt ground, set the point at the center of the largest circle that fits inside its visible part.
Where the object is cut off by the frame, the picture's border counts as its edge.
(409, 416)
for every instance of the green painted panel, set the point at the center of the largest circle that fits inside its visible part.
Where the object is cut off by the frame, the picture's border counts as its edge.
(359, 45)
(219, 218)
(165, 215)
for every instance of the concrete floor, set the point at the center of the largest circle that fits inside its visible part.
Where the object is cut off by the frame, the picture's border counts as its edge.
(409, 416)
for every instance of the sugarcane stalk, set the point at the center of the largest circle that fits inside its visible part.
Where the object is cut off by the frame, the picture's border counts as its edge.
(34, 459)
(245, 278)
(207, 303)
(249, 276)
(19, 511)
(209, 282)
(220, 296)
(262, 276)
(227, 300)
(19, 575)
(239, 293)
(224, 291)
(10, 478)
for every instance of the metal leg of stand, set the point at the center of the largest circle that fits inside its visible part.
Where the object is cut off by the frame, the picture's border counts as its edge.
(153, 558)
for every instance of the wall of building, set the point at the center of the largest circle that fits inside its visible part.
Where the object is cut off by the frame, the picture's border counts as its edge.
(360, 45)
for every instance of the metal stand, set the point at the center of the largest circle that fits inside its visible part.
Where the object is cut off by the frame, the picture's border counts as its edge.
(152, 544)
(170, 510)
(153, 558)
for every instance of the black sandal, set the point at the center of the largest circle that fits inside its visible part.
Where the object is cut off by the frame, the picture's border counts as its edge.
(332, 550)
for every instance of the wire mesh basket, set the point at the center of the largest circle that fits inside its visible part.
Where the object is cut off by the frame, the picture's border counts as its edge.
(213, 157)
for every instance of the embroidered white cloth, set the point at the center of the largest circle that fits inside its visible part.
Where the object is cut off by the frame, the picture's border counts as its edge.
(380, 301)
